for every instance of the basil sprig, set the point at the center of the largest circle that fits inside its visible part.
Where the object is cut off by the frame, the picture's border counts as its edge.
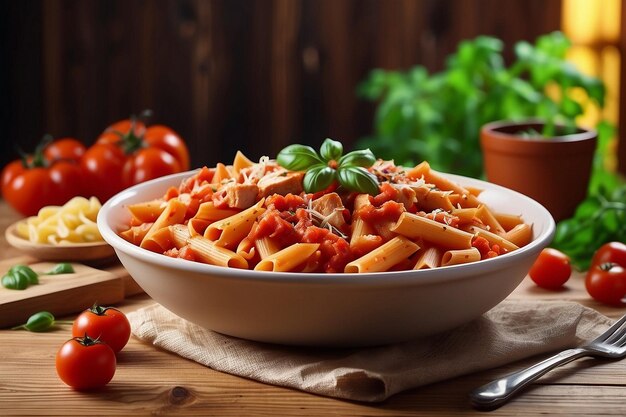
(330, 166)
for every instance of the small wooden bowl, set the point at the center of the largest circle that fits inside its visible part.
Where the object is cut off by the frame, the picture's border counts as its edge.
(96, 251)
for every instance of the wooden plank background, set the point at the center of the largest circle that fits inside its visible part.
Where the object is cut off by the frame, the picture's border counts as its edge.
(227, 74)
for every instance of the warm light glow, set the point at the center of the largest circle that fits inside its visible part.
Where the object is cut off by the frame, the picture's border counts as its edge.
(594, 28)
(581, 20)
(610, 19)
(611, 63)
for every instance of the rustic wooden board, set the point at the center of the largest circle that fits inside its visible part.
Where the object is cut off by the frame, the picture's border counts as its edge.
(59, 294)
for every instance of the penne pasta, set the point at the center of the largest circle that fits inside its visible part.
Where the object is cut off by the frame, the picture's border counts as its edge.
(221, 174)
(228, 232)
(485, 215)
(418, 227)
(288, 258)
(255, 215)
(493, 238)
(520, 235)
(266, 247)
(384, 257)
(508, 221)
(174, 213)
(207, 251)
(461, 256)
(431, 199)
(148, 211)
(240, 162)
(429, 258)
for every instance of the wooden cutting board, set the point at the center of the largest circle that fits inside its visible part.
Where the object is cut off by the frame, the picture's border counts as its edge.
(63, 294)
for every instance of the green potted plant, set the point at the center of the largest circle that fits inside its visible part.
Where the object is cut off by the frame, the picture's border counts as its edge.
(537, 97)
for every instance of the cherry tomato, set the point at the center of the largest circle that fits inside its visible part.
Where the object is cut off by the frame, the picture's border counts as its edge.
(84, 363)
(66, 148)
(606, 282)
(551, 270)
(34, 182)
(614, 252)
(128, 153)
(105, 324)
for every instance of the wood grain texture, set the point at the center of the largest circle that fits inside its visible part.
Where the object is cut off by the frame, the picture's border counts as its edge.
(149, 381)
(228, 74)
(59, 294)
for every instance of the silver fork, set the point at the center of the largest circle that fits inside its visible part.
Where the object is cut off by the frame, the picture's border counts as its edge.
(610, 344)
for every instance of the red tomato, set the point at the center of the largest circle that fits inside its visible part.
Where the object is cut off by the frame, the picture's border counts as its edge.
(105, 324)
(614, 252)
(66, 148)
(606, 282)
(85, 363)
(606, 278)
(29, 186)
(551, 270)
(128, 153)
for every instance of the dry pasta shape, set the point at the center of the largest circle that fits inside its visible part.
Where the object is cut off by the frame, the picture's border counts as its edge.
(74, 222)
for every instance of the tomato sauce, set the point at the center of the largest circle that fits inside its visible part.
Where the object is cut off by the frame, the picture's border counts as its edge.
(388, 211)
(287, 222)
(486, 250)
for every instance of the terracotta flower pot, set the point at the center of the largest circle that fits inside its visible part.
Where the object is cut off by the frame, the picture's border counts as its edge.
(553, 171)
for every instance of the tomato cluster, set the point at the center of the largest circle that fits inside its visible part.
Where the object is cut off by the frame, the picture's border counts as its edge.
(605, 280)
(88, 360)
(126, 153)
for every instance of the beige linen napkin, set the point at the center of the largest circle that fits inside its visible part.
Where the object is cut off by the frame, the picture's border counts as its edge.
(511, 331)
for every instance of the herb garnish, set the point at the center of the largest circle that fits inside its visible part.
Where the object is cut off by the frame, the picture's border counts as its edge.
(19, 277)
(330, 166)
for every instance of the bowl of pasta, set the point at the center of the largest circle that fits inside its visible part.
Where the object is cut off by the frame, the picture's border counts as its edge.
(244, 250)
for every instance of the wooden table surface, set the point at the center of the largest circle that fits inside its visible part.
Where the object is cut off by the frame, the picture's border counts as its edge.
(152, 381)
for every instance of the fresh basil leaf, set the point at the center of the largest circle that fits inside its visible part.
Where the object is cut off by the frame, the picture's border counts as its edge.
(362, 158)
(62, 268)
(40, 322)
(297, 157)
(318, 178)
(358, 179)
(15, 281)
(331, 150)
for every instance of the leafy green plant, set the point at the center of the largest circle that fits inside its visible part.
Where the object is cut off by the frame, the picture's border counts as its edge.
(437, 117)
(601, 218)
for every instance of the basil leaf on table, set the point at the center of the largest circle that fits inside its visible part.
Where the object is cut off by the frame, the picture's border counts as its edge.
(62, 268)
(40, 322)
(19, 277)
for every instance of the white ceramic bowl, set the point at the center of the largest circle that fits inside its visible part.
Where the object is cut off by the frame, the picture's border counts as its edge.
(327, 309)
